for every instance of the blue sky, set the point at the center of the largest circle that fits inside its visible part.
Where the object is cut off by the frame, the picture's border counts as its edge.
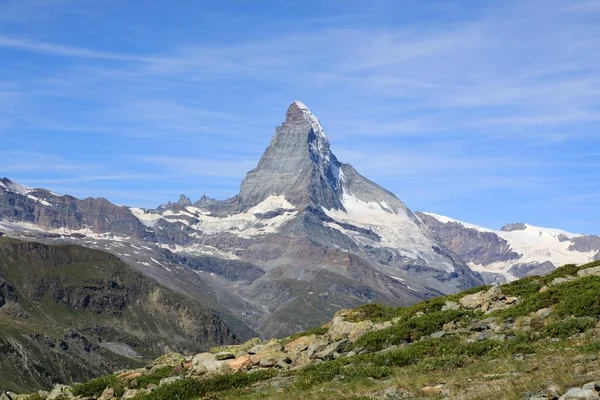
(483, 111)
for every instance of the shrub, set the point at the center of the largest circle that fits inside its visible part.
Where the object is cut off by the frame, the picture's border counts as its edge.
(410, 330)
(95, 387)
(569, 327)
(191, 388)
(580, 298)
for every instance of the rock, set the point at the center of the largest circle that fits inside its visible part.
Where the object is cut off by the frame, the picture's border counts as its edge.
(129, 375)
(241, 363)
(558, 281)
(438, 335)
(580, 394)
(151, 387)
(472, 301)
(60, 391)
(592, 386)
(350, 354)
(224, 355)
(594, 271)
(543, 289)
(131, 394)
(543, 313)
(450, 305)
(432, 390)
(328, 351)
(449, 327)
(108, 394)
(511, 300)
(298, 345)
(206, 362)
(340, 329)
(170, 380)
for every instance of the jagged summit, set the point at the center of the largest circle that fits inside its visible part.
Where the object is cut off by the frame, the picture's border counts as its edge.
(184, 201)
(298, 164)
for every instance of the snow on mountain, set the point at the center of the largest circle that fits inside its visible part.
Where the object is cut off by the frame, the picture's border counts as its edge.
(394, 229)
(528, 246)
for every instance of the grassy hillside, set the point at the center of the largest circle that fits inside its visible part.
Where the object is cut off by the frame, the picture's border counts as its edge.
(537, 336)
(71, 313)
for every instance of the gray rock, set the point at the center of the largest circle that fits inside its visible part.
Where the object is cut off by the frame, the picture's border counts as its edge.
(580, 394)
(595, 386)
(59, 391)
(543, 313)
(450, 305)
(170, 380)
(594, 271)
(438, 335)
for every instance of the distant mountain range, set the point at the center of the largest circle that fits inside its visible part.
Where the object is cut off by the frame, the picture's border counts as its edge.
(514, 251)
(306, 235)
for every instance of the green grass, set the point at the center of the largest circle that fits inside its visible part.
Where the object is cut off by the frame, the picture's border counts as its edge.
(411, 330)
(95, 387)
(190, 388)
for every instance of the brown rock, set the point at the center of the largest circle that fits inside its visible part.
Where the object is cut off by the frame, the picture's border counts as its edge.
(241, 363)
(432, 390)
(129, 375)
(300, 344)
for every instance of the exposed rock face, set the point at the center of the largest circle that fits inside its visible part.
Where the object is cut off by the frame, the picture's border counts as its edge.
(298, 165)
(472, 245)
(184, 201)
(519, 226)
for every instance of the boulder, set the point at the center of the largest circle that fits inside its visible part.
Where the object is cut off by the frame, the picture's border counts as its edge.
(340, 329)
(60, 391)
(243, 363)
(594, 271)
(206, 362)
(543, 313)
(328, 351)
(580, 394)
(300, 344)
(472, 301)
(108, 394)
(450, 305)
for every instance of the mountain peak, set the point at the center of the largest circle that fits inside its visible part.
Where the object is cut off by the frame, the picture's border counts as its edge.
(298, 113)
(184, 201)
(298, 164)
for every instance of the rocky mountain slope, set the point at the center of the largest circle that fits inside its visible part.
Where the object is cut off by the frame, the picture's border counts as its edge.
(535, 338)
(70, 313)
(514, 251)
(306, 235)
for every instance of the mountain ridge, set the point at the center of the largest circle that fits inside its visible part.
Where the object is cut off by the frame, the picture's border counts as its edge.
(301, 217)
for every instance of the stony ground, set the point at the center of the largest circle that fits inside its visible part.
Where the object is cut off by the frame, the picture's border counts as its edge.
(537, 338)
